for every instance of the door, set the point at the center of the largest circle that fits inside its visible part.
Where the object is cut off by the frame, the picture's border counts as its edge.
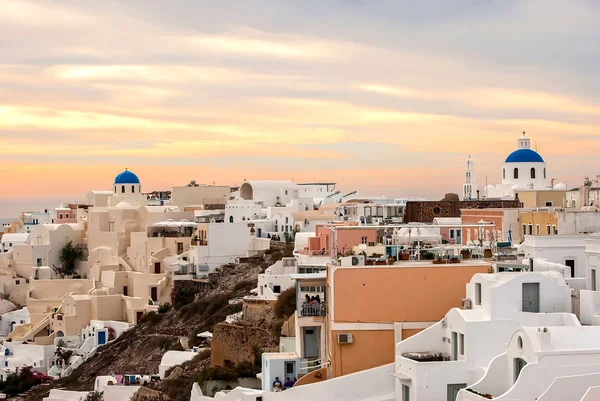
(454, 346)
(157, 267)
(138, 316)
(405, 393)
(179, 248)
(154, 293)
(453, 390)
(519, 365)
(459, 236)
(259, 232)
(571, 264)
(593, 279)
(101, 337)
(125, 290)
(531, 297)
(310, 343)
(290, 370)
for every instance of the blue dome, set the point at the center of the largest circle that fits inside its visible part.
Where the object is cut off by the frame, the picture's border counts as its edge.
(127, 177)
(524, 156)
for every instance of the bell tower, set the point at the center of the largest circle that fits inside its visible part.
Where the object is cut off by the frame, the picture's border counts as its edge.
(470, 185)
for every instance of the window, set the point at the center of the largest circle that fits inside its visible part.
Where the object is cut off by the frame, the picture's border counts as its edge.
(60, 216)
(548, 232)
(516, 174)
(363, 240)
(289, 368)
(122, 189)
(454, 346)
(554, 230)
(231, 221)
(530, 229)
(544, 172)
(503, 173)
(548, 203)
(524, 229)
(286, 220)
(461, 344)
(277, 289)
(133, 189)
(537, 229)
(451, 234)
(593, 279)
(477, 293)
(437, 210)
(276, 228)
(533, 173)
(571, 264)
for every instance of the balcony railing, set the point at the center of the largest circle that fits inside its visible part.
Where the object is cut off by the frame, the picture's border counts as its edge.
(319, 309)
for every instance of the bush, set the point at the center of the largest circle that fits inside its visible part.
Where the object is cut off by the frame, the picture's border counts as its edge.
(276, 328)
(245, 286)
(217, 373)
(151, 317)
(286, 304)
(22, 381)
(164, 308)
(182, 296)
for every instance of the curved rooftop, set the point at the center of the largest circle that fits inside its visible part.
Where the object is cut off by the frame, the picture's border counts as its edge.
(524, 156)
(127, 177)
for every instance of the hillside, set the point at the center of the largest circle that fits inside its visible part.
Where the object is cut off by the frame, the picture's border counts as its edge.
(140, 349)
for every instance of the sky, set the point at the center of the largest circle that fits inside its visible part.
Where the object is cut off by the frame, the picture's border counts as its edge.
(388, 97)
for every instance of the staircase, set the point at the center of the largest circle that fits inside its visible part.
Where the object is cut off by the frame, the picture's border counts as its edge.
(167, 283)
(30, 335)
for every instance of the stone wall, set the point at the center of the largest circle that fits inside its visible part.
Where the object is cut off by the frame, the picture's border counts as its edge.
(232, 344)
(426, 211)
(258, 312)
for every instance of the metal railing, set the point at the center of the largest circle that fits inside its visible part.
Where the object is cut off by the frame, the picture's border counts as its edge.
(319, 309)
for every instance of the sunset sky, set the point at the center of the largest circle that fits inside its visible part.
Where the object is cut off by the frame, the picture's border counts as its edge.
(387, 97)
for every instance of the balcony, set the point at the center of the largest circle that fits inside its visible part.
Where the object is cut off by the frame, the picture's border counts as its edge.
(313, 310)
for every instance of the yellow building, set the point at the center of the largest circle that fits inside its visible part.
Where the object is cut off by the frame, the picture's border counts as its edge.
(542, 198)
(538, 222)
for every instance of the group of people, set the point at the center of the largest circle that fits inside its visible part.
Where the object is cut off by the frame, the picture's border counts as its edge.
(289, 383)
(311, 305)
(274, 237)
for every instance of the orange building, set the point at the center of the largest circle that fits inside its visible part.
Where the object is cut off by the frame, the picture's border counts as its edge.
(378, 307)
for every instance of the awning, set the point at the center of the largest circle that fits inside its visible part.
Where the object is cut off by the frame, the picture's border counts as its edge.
(401, 376)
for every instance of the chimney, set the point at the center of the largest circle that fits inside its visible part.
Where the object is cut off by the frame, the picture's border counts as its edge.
(545, 339)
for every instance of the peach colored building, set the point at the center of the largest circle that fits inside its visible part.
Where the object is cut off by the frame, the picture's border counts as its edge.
(380, 306)
(346, 239)
(472, 235)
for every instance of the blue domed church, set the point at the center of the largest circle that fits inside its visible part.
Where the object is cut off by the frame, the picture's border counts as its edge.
(523, 169)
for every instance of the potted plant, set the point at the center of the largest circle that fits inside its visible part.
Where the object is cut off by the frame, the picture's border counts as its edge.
(438, 260)
(454, 259)
(195, 240)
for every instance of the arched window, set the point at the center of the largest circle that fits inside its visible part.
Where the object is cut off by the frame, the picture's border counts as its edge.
(504, 174)
(544, 173)
(231, 219)
(516, 173)
(533, 172)
(133, 189)
(115, 189)
(122, 189)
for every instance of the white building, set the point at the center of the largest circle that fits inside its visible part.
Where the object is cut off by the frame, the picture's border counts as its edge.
(523, 169)
(11, 318)
(276, 279)
(454, 353)
(542, 363)
(566, 250)
(590, 296)
(9, 241)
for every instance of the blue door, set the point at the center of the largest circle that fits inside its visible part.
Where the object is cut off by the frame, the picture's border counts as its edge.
(101, 337)
(259, 232)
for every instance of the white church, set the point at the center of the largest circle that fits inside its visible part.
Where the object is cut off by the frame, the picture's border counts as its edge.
(523, 169)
